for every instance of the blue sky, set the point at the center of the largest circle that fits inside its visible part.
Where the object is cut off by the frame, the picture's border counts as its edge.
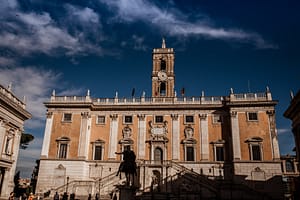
(106, 46)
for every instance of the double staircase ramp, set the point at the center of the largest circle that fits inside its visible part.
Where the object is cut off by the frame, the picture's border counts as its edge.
(182, 182)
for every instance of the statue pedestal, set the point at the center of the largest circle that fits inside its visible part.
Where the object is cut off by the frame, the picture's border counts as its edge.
(126, 192)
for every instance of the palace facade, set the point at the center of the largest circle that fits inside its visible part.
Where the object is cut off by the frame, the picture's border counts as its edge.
(12, 116)
(231, 138)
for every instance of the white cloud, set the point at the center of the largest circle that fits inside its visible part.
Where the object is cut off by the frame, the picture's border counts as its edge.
(84, 15)
(26, 33)
(6, 61)
(36, 84)
(175, 23)
(283, 131)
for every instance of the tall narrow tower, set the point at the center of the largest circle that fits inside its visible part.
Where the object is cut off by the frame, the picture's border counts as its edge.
(163, 77)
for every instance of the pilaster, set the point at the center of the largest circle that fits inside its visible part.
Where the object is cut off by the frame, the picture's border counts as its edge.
(113, 138)
(235, 131)
(84, 135)
(175, 137)
(273, 135)
(141, 137)
(47, 135)
(204, 148)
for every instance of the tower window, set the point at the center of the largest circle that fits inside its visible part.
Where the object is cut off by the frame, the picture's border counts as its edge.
(163, 65)
(163, 89)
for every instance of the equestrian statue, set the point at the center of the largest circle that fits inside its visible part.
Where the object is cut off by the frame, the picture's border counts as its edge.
(128, 166)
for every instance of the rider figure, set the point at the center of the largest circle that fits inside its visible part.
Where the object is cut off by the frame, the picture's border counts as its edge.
(128, 160)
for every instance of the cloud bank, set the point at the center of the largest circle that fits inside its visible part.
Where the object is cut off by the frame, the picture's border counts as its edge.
(174, 23)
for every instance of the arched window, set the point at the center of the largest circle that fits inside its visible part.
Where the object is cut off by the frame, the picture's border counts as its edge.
(162, 89)
(163, 65)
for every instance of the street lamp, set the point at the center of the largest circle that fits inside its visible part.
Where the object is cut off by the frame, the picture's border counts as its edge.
(67, 184)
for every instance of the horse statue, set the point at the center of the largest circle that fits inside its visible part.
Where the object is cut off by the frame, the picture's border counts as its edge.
(128, 166)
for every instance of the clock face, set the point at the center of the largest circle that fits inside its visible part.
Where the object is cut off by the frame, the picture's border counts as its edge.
(162, 76)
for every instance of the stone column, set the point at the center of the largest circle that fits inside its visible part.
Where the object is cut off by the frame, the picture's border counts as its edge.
(204, 146)
(273, 135)
(175, 137)
(235, 131)
(113, 137)
(141, 137)
(84, 135)
(47, 135)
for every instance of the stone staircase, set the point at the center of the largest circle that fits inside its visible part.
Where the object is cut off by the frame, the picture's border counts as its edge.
(181, 183)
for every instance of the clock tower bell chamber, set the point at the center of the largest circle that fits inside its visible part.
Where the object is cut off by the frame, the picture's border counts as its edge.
(163, 77)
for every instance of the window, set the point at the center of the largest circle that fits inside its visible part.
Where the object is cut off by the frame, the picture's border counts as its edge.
(162, 64)
(159, 119)
(63, 148)
(219, 150)
(289, 166)
(63, 145)
(255, 150)
(219, 153)
(158, 154)
(217, 119)
(252, 116)
(128, 119)
(163, 89)
(98, 152)
(190, 154)
(189, 119)
(255, 146)
(100, 119)
(67, 117)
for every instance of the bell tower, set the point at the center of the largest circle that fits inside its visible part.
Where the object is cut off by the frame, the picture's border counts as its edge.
(163, 77)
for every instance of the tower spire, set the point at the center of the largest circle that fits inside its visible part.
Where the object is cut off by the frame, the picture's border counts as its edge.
(163, 45)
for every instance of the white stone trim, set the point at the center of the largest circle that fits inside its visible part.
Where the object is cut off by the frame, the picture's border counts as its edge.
(235, 131)
(113, 137)
(141, 147)
(175, 138)
(47, 135)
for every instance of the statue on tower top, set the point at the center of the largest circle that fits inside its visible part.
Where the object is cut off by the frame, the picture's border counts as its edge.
(163, 45)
